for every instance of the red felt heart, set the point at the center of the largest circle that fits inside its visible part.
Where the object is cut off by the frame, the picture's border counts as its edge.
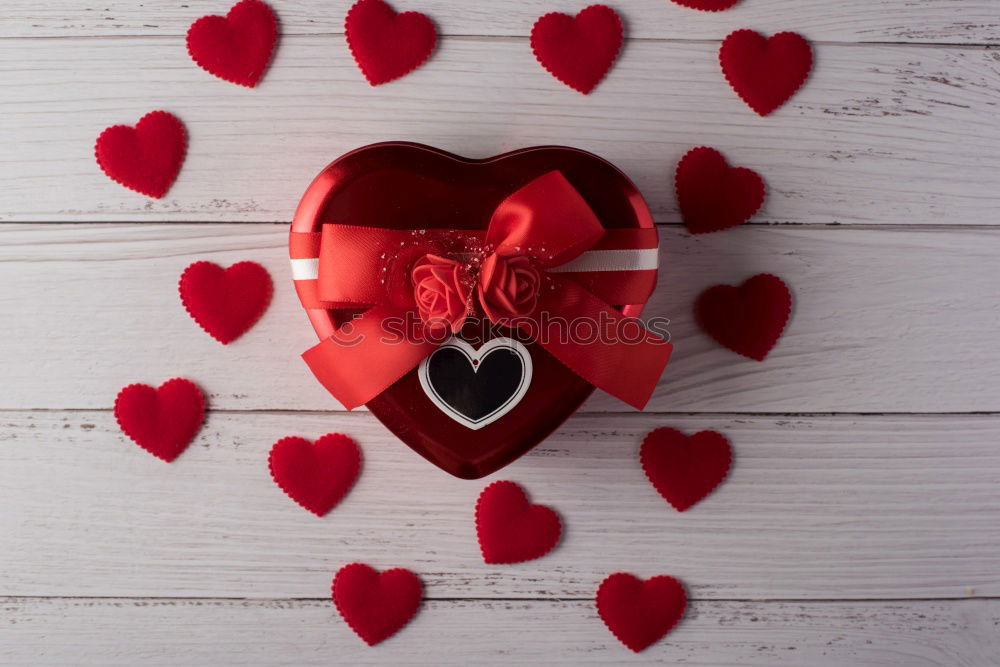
(238, 46)
(707, 5)
(712, 195)
(376, 606)
(639, 612)
(146, 158)
(747, 319)
(315, 475)
(685, 469)
(387, 45)
(225, 302)
(578, 50)
(765, 72)
(512, 530)
(162, 421)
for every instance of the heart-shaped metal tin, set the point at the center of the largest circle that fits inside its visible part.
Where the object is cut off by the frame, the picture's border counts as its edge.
(410, 186)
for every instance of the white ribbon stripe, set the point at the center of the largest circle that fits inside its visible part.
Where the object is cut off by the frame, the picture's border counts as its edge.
(646, 259)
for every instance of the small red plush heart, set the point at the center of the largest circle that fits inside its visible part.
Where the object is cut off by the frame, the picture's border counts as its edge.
(315, 475)
(765, 72)
(640, 612)
(376, 606)
(146, 158)
(238, 46)
(685, 469)
(578, 50)
(712, 195)
(162, 421)
(748, 319)
(512, 530)
(225, 302)
(707, 5)
(387, 45)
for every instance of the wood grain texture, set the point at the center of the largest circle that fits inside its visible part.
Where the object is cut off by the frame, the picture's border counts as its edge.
(838, 540)
(935, 21)
(880, 134)
(824, 507)
(484, 632)
(884, 320)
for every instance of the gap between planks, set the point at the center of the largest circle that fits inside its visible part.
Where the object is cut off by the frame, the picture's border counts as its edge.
(580, 413)
(672, 224)
(428, 598)
(471, 37)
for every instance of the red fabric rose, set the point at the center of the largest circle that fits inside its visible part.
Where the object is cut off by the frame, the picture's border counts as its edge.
(441, 294)
(508, 288)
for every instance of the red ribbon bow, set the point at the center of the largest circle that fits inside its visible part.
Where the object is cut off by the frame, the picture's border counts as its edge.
(510, 272)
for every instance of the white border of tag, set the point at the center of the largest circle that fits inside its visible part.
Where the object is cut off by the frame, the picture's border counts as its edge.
(474, 355)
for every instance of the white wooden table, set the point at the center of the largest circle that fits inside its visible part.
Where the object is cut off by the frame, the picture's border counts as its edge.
(861, 522)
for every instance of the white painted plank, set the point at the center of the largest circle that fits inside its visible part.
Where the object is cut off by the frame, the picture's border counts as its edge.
(829, 508)
(895, 320)
(881, 134)
(947, 21)
(958, 633)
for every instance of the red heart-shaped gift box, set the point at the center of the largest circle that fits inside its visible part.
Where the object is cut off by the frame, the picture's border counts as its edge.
(482, 399)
